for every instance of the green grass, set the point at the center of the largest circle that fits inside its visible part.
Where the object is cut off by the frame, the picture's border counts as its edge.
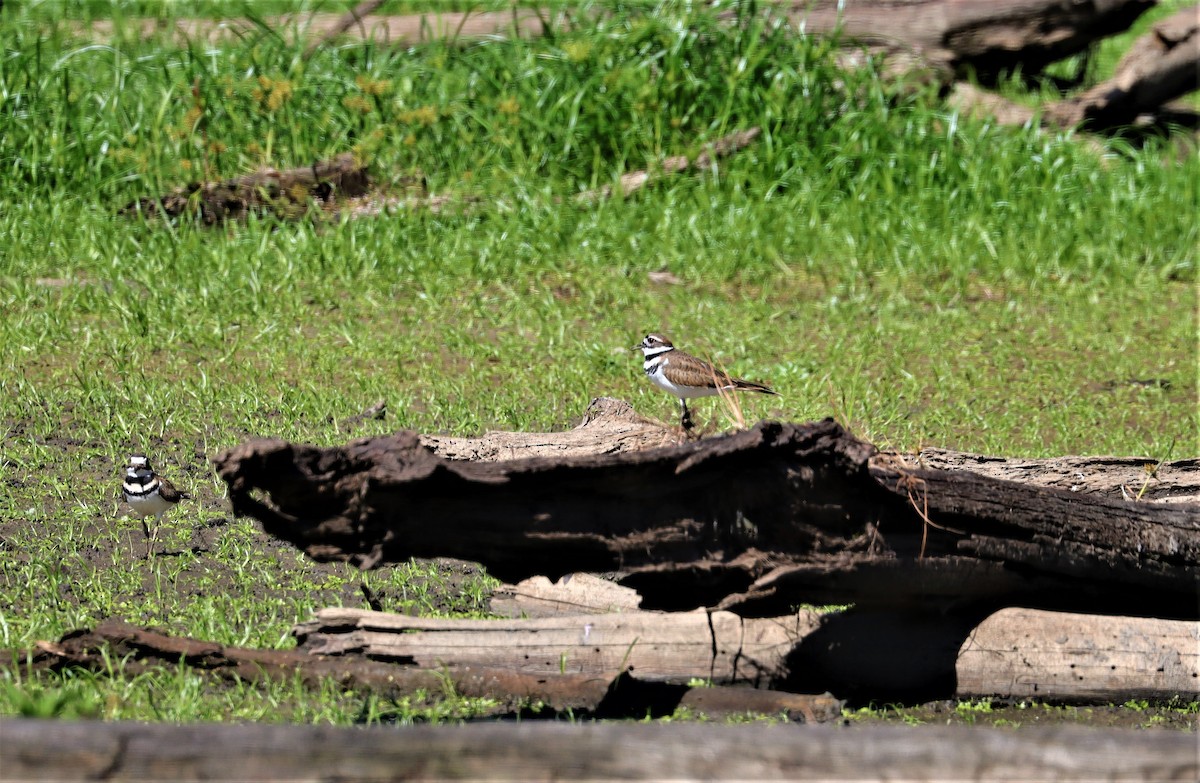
(927, 279)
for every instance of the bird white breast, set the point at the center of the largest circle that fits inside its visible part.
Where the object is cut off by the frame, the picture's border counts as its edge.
(654, 371)
(146, 505)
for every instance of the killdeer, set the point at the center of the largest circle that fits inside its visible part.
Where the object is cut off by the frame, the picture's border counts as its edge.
(148, 495)
(685, 376)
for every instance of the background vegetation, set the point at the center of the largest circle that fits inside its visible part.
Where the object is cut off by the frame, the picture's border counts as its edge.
(926, 278)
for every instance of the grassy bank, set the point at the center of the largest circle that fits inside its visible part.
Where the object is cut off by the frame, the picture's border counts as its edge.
(928, 279)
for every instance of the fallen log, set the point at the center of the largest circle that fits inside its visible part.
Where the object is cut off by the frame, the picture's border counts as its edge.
(986, 36)
(286, 193)
(760, 521)
(676, 646)
(601, 694)
(1162, 65)
(66, 750)
(862, 655)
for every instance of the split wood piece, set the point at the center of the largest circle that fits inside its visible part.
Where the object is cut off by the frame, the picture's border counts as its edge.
(606, 695)
(761, 520)
(609, 426)
(71, 750)
(287, 193)
(583, 593)
(679, 646)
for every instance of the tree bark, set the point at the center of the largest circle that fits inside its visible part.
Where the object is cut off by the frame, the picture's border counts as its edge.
(759, 521)
(64, 750)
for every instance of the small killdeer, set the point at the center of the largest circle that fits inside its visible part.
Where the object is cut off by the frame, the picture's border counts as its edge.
(685, 376)
(148, 495)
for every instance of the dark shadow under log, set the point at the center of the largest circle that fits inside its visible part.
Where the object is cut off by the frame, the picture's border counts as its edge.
(758, 521)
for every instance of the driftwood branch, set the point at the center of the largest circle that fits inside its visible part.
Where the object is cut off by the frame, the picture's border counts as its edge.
(65, 750)
(762, 520)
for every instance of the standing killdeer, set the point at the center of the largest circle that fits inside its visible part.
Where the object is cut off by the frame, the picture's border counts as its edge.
(148, 494)
(685, 376)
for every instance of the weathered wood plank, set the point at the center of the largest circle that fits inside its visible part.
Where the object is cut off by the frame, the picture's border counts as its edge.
(66, 750)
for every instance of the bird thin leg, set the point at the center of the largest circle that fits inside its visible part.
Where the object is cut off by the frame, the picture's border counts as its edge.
(686, 419)
(151, 536)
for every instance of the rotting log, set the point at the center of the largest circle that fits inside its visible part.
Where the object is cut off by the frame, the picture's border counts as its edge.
(859, 655)
(1021, 653)
(286, 193)
(608, 694)
(987, 36)
(66, 750)
(1162, 65)
(581, 593)
(673, 646)
(758, 521)
(609, 427)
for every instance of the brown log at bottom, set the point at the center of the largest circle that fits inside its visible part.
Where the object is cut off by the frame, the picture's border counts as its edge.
(64, 750)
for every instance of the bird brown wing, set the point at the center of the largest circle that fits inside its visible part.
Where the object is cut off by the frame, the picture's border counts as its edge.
(168, 492)
(687, 370)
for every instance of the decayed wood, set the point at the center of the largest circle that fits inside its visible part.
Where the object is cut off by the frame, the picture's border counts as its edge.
(678, 646)
(67, 750)
(1117, 478)
(267, 190)
(583, 593)
(761, 520)
(1162, 65)
(615, 693)
(609, 427)
(1021, 653)
(986, 35)
(861, 655)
